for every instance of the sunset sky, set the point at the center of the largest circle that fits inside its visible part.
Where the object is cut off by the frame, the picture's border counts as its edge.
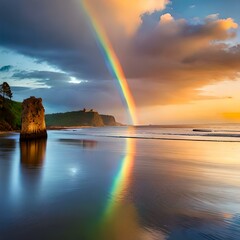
(181, 58)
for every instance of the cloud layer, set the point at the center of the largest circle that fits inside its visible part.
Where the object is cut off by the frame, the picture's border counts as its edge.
(175, 58)
(166, 60)
(124, 14)
(5, 68)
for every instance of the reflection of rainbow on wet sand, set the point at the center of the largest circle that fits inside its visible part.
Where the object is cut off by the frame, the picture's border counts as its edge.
(119, 219)
(122, 178)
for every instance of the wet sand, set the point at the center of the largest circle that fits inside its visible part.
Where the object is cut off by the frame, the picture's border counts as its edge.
(75, 186)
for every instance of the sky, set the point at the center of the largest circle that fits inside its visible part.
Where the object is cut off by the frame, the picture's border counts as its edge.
(181, 59)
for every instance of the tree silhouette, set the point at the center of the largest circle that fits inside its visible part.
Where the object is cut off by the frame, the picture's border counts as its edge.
(1, 91)
(5, 90)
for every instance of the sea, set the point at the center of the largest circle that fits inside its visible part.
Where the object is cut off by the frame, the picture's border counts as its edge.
(176, 182)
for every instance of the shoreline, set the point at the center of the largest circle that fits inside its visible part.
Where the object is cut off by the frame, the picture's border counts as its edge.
(66, 127)
(13, 131)
(50, 128)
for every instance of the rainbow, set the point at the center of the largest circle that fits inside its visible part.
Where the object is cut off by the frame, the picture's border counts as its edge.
(112, 59)
(122, 179)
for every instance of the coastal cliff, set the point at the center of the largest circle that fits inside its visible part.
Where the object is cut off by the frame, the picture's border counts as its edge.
(33, 119)
(109, 120)
(79, 118)
(11, 114)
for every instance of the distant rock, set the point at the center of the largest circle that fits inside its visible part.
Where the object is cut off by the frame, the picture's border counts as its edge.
(33, 119)
(201, 130)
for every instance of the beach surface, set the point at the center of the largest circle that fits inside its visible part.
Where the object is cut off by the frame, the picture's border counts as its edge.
(121, 183)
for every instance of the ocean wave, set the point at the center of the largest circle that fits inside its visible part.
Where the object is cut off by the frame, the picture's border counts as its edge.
(214, 134)
(172, 138)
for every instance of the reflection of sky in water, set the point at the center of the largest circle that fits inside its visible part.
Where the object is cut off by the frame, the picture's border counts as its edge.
(103, 188)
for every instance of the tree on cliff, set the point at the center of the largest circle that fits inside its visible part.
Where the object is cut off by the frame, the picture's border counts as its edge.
(5, 90)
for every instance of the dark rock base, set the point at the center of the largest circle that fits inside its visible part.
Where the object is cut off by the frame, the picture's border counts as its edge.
(30, 136)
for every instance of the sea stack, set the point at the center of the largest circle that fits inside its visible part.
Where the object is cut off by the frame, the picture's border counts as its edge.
(33, 119)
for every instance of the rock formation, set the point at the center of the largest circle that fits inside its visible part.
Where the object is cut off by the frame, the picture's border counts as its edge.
(108, 120)
(33, 120)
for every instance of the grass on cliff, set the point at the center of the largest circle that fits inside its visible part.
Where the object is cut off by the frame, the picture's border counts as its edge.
(75, 118)
(10, 115)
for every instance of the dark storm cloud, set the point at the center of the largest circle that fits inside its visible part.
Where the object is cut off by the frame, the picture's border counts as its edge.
(5, 68)
(54, 31)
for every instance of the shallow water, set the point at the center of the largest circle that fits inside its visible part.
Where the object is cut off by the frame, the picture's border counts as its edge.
(85, 184)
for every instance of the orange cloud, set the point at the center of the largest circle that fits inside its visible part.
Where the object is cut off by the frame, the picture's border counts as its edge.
(226, 24)
(124, 14)
(174, 59)
(166, 18)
